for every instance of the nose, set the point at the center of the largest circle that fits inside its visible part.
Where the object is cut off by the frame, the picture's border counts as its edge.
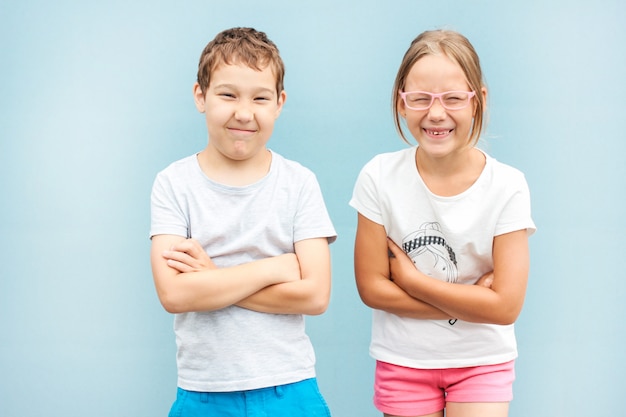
(436, 110)
(244, 112)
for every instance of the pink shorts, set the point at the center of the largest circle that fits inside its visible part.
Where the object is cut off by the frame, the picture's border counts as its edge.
(405, 391)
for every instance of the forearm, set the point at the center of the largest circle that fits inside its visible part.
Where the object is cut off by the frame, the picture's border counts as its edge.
(309, 295)
(214, 289)
(298, 297)
(499, 302)
(372, 273)
(387, 296)
(471, 303)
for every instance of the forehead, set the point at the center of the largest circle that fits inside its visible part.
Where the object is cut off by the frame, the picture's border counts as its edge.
(436, 73)
(241, 75)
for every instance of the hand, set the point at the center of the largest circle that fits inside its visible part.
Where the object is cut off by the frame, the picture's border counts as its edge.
(486, 280)
(287, 267)
(400, 265)
(188, 256)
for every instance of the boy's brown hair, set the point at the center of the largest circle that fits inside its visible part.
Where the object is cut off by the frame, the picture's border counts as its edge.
(240, 46)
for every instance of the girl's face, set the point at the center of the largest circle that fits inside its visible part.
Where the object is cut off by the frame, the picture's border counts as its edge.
(438, 131)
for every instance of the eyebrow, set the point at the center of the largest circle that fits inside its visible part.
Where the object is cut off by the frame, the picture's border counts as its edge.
(235, 87)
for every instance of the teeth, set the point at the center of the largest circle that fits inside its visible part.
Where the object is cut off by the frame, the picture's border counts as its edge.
(439, 132)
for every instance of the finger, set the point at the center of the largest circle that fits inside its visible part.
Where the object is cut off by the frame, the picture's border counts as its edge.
(486, 280)
(195, 250)
(393, 248)
(181, 257)
(194, 246)
(191, 247)
(187, 245)
(179, 266)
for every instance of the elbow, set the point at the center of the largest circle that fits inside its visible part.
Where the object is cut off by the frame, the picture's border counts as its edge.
(316, 311)
(170, 303)
(503, 321)
(368, 302)
(369, 298)
(318, 305)
(375, 304)
(172, 308)
(169, 295)
(507, 317)
(511, 318)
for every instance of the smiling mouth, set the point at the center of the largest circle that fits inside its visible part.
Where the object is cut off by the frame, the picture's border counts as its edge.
(438, 132)
(238, 131)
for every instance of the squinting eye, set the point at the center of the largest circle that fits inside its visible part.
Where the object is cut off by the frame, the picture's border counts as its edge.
(455, 97)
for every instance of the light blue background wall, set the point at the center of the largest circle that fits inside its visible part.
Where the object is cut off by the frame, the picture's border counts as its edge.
(95, 98)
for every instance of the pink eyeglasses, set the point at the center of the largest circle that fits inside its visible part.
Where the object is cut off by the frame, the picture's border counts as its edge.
(423, 100)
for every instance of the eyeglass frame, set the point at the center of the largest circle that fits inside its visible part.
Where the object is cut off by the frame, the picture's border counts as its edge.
(434, 96)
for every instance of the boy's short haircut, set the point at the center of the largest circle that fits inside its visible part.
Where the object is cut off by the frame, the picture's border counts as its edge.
(240, 46)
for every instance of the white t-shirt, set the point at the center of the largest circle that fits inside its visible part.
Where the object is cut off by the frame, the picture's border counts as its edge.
(449, 238)
(235, 349)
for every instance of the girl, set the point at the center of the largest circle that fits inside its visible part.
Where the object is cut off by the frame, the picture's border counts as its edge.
(441, 251)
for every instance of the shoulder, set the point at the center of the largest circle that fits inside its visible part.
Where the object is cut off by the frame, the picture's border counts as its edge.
(178, 176)
(503, 172)
(389, 165)
(395, 156)
(181, 167)
(504, 182)
(391, 161)
(290, 169)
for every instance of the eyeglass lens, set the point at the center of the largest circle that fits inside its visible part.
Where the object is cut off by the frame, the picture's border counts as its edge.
(452, 100)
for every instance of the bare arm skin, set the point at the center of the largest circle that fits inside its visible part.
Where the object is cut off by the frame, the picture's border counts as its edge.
(202, 287)
(310, 295)
(500, 303)
(371, 267)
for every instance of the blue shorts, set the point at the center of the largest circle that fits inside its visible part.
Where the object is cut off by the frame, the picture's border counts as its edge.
(302, 399)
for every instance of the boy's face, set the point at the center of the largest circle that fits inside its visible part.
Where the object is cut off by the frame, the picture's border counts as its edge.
(240, 107)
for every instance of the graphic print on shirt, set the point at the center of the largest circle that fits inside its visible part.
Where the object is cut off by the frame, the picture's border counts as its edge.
(431, 254)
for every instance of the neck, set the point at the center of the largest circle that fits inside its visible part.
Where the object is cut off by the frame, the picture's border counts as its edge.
(236, 173)
(448, 164)
(452, 174)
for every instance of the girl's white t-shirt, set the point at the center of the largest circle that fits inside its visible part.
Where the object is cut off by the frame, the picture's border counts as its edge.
(448, 238)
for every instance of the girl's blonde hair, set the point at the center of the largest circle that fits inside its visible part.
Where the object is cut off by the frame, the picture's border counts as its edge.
(459, 49)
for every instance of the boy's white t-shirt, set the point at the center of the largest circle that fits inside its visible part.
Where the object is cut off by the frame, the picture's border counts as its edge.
(449, 238)
(235, 349)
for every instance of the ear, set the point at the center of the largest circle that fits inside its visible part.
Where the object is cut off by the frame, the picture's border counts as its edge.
(400, 106)
(483, 91)
(199, 97)
(282, 97)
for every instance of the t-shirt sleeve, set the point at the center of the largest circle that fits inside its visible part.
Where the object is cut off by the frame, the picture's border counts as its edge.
(167, 216)
(516, 214)
(312, 218)
(365, 195)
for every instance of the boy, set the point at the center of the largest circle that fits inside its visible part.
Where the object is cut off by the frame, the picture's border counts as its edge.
(240, 252)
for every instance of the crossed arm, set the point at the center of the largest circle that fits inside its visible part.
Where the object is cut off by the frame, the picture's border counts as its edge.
(496, 298)
(186, 279)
